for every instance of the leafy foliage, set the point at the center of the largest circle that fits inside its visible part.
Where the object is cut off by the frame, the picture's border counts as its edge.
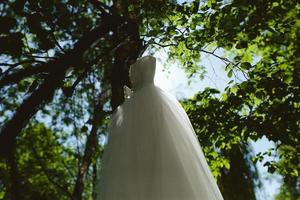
(46, 167)
(262, 40)
(63, 65)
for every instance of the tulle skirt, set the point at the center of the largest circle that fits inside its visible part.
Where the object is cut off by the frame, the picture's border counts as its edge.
(152, 152)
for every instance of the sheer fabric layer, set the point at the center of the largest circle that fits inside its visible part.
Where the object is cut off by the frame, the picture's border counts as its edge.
(153, 153)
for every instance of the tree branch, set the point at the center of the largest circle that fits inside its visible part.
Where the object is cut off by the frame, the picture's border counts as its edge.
(225, 60)
(23, 73)
(11, 65)
(69, 91)
(46, 90)
(90, 146)
(100, 5)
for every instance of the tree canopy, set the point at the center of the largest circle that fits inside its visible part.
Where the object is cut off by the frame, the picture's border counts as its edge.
(63, 65)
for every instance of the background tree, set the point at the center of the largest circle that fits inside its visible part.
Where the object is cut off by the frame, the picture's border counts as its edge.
(45, 168)
(63, 67)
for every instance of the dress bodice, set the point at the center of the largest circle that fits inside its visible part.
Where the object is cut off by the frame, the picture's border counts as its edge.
(142, 72)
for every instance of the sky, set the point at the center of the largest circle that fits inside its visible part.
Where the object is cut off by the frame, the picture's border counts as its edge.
(174, 81)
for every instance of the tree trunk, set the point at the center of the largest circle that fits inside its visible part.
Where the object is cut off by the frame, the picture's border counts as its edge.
(118, 77)
(237, 183)
(89, 152)
(95, 178)
(14, 175)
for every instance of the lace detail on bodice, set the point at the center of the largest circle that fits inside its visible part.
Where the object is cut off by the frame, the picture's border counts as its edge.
(142, 72)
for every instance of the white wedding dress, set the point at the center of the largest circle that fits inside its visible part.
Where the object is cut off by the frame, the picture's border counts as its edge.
(152, 152)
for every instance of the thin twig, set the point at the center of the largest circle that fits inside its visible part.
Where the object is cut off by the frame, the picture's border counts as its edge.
(14, 65)
(44, 57)
(226, 61)
(57, 44)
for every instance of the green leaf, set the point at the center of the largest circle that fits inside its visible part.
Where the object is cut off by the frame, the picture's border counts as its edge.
(84, 129)
(241, 44)
(246, 65)
(229, 74)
